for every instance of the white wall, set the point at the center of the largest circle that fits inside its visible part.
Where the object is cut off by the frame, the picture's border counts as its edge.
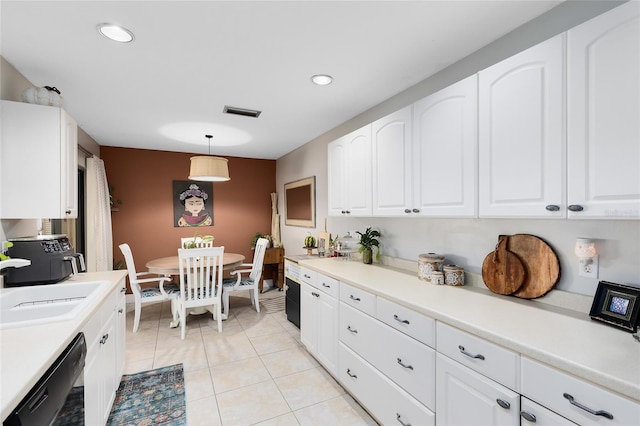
(467, 241)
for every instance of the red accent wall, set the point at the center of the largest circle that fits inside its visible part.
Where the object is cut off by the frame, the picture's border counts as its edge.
(142, 179)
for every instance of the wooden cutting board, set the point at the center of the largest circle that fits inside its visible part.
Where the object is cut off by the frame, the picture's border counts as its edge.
(502, 270)
(542, 269)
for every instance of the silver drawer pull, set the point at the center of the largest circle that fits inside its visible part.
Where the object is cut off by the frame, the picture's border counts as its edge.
(476, 356)
(326, 285)
(351, 375)
(395, 317)
(410, 367)
(315, 294)
(352, 297)
(352, 330)
(504, 404)
(587, 409)
(528, 416)
(104, 339)
(399, 419)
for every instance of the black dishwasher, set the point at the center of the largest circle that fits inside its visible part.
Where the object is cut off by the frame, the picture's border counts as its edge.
(46, 398)
(292, 299)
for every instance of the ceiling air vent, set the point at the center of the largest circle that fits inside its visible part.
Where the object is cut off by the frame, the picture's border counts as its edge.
(241, 111)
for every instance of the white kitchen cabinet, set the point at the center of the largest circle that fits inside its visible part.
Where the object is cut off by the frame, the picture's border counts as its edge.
(39, 162)
(521, 145)
(391, 142)
(349, 169)
(535, 414)
(577, 400)
(445, 151)
(385, 400)
(465, 397)
(105, 359)
(603, 129)
(319, 320)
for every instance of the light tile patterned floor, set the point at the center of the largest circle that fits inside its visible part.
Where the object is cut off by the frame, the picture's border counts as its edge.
(256, 372)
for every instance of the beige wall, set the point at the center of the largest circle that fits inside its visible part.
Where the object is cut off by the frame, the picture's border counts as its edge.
(467, 241)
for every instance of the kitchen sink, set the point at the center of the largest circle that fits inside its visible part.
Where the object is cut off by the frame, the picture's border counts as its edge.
(39, 304)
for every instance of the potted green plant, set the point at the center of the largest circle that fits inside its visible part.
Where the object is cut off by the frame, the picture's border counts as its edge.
(369, 240)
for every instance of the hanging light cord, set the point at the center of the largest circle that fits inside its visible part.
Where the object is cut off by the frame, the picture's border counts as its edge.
(209, 137)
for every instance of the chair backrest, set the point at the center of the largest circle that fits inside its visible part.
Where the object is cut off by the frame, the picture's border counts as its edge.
(198, 241)
(200, 274)
(131, 267)
(258, 259)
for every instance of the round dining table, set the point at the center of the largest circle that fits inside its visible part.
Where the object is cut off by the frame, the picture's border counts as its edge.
(171, 266)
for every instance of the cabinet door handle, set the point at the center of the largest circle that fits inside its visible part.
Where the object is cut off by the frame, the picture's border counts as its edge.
(307, 276)
(416, 210)
(410, 367)
(504, 404)
(352, 297)
(575, 208)
(352, 330)
(350, 374)
(552, 207)
(67, 211)
(602, 413)
(476, 356)
(123, 289)
(120, 310)
(104, 339)
(397, 318)
(315, 294)
(528, 416)
(407, 210)
(399, 419)
(326, 285)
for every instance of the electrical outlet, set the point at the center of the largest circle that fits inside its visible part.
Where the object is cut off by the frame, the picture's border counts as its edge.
(588, 267)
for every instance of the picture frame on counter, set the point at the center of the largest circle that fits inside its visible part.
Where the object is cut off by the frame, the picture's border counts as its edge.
(617, 305)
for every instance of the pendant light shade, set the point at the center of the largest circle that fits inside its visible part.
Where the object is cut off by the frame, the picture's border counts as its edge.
(212, 169)
(208, 168)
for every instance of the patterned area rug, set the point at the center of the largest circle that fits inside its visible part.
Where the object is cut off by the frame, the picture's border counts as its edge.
(154, 397)
(271, 300)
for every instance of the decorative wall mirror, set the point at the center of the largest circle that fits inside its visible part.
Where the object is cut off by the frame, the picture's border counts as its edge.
(300, 202)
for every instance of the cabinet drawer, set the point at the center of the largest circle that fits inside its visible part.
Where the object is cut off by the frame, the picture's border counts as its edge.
(359, 299)
(535, 414)
(547, 386)
(388, 403)
(329, 285)
(359, 331)
(409, 322)
(495, 362)
(308, 276)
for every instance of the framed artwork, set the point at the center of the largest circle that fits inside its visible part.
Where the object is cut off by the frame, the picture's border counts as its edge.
(300, 202)
(192, 203)
(616, 304)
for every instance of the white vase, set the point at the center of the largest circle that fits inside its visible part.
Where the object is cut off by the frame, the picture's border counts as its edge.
(46, 95)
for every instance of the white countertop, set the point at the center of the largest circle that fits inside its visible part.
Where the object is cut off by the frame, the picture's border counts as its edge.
(27, 352)
(567, 340)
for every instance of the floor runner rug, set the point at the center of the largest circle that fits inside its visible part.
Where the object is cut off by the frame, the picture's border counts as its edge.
(154, 397)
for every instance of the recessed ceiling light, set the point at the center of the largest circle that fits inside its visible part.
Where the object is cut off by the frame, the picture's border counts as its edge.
(322, 79)
(115, 32)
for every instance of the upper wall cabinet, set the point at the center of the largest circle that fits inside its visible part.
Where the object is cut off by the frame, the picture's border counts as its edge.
(521, 134)
(603, 128)
(39, 158)
(444, 151)
(349, 159)
(424, 156)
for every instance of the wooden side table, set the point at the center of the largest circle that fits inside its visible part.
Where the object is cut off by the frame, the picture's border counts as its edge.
(273, 267)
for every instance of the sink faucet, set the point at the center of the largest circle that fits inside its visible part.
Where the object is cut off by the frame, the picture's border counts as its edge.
(14, 263)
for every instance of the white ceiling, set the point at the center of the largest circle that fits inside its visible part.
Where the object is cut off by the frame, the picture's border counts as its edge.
(189, 59)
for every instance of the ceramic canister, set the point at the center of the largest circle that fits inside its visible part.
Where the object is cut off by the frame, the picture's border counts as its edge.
(437, 277)
(453, 275)
(427, 263)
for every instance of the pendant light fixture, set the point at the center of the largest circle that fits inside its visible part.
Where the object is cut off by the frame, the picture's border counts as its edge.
(208, 168)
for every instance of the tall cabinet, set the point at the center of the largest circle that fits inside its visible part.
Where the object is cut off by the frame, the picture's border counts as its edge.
(603, 120)
(39, 158)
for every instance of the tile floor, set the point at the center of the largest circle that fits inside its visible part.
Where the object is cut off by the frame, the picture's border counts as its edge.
(256, 372)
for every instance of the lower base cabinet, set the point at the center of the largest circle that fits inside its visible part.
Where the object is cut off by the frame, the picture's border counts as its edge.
(535, 414)
(385, 400)
(465, 397)
(105, 333)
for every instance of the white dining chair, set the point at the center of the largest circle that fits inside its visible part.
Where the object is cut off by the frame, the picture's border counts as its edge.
(200, 283)
(248, 282)
(146, 294)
